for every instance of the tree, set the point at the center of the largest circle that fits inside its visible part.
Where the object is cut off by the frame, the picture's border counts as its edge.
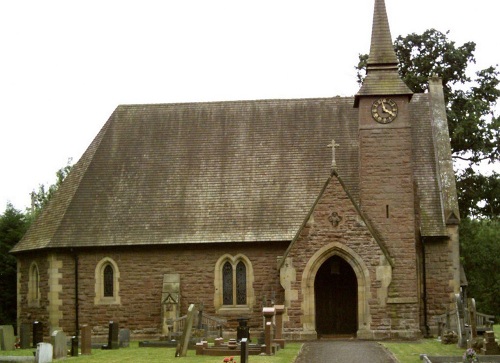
(474, 128)
(480, 250)
(13, 225)
(40, 198)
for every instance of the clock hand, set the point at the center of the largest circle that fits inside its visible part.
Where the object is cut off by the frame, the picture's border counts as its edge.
(386, 110)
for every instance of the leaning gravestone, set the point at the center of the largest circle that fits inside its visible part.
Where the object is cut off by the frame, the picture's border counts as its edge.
(124, 338)
(59, 343)
(7, 338)
(44, 352)
(182, 347)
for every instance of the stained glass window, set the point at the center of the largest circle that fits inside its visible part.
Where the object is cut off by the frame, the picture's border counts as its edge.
(227, 284)
(108, 281)
(241, 283)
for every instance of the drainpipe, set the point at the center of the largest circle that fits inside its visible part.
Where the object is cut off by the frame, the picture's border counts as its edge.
(77, 323)
(424, 293)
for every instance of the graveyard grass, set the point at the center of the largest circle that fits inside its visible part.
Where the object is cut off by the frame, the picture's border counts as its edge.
(409, 352)
(166, 355)
(405, 352)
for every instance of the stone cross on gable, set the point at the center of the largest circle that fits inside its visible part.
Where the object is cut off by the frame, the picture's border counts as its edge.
(333, 145)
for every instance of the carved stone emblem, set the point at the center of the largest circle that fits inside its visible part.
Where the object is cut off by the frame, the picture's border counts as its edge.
(334, 219)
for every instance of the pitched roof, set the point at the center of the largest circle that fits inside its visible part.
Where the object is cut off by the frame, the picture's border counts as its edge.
(243, 171)
(200, 172)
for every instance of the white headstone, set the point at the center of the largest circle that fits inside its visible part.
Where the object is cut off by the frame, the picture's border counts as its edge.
(59, 341)
(44, 352)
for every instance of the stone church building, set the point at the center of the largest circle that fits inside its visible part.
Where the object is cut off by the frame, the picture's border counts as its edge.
(342, 209)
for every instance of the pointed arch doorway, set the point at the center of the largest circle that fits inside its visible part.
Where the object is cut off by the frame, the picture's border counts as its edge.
(336, 298)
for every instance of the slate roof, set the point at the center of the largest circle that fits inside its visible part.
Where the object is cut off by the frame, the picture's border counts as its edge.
(243, 171)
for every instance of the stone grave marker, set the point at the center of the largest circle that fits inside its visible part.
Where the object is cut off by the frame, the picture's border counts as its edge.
(182, 347)
(242, 330)
(59, 344)
(37, 333)
(472, 317)
(170, 300)
(113, 341)
(278, 336)
(24, 336)
(7, 338)
(86, 336)
(44, 352)
(124, 338)
(490, 346)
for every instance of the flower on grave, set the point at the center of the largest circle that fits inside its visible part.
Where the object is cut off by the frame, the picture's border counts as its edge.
(470, 356)
(229, 359)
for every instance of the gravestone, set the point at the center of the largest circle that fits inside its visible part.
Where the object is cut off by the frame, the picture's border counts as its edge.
(24, 336)
(244, 351)
(37, 333)
(124, 338)
(59, 344)
(7, 338)
(278, 336)
(113, 342)
(472, 318)
(170, 296)
(182, 347)
(243, 330)
(86, 337)
(490, 346)
(44, 352)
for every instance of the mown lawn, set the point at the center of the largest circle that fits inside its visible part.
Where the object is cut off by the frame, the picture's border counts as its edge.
(409, 352)
(405, 352)
(164, 355)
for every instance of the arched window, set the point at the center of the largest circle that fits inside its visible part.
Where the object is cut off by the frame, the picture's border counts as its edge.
(107, 286)
(227, 284)
(233, 284)
(108, 281)
(241, 283)
(34, 285)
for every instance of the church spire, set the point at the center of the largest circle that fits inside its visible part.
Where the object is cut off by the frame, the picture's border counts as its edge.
(382, 77)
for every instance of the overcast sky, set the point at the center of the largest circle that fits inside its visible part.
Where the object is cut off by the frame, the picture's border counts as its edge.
(66, 65)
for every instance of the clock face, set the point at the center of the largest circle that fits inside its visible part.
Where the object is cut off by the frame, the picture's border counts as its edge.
(384, 110)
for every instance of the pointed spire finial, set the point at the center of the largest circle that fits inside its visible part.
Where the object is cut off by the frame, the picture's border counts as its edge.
(381, 49)
(382, 76)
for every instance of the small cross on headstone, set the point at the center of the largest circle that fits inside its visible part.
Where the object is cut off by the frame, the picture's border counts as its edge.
(333, 145)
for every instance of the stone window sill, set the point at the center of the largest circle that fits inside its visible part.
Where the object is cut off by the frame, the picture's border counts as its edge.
(234, 310)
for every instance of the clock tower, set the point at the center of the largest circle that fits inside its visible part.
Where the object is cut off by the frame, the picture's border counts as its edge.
(386, 173)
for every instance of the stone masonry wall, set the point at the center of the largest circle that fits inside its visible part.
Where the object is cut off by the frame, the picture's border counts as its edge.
(29, 313)
(387, 199)
(141, 279)
(439, 268)
(349, 230)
